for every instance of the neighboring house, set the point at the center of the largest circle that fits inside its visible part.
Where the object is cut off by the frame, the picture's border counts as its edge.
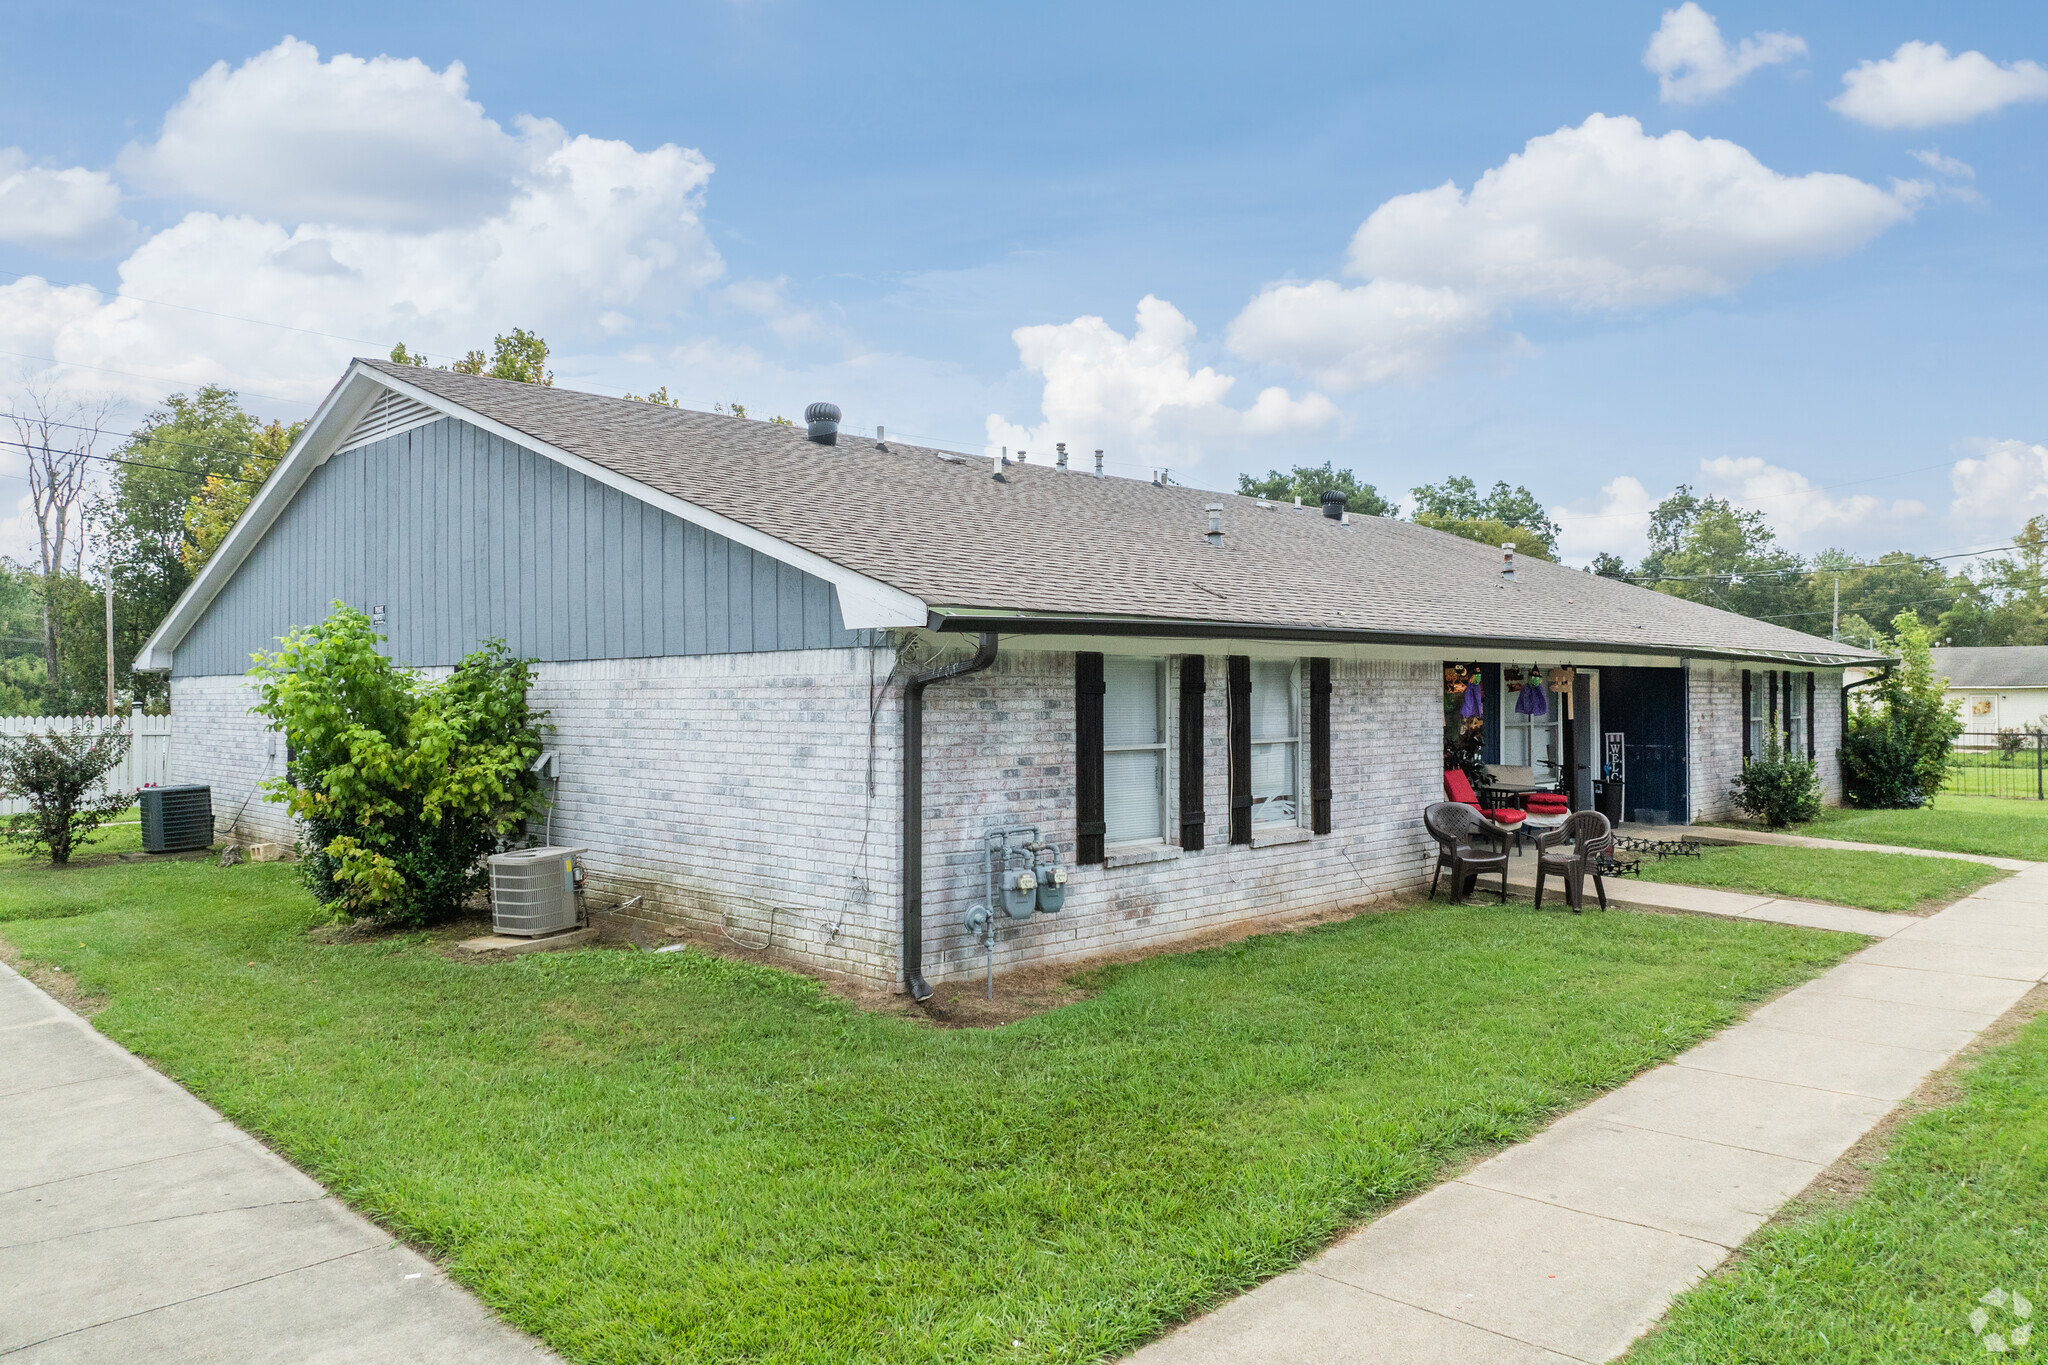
(1213, 717)
(1996, 687)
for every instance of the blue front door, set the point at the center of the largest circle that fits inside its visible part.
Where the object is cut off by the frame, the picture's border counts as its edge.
(1647, 707)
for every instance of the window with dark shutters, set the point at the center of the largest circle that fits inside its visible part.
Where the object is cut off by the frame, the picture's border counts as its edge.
(1088, 817)
(1193, 687)
(1319, 745)
(1240, 749)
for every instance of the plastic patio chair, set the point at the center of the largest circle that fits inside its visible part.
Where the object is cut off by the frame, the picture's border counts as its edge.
(1456, 828)
(1573, 851)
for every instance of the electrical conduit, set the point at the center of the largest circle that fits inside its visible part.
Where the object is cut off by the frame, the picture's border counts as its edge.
(913, 806)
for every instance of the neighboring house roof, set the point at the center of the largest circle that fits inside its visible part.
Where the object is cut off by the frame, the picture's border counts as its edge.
(1073, 553)
(1993, 665)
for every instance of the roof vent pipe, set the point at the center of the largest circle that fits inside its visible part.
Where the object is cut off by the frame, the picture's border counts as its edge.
(1098, 464)
(1507, 560)
(1062, 448)
(822, 422)
(1333, 505)
(1215, 511)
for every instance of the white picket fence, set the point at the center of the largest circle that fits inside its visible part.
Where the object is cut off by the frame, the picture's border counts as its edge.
(149, 751)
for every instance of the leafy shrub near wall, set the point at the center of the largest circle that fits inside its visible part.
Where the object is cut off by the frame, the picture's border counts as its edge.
(405, 784)
(1896, 748)
(1779, 788)
(55, 774)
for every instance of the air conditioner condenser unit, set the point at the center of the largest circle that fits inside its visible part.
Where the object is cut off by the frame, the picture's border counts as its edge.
(533, 891)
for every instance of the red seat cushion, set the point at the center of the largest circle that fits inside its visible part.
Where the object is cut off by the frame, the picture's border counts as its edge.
(1458, 788)
(1505, 816)
(1548, 803)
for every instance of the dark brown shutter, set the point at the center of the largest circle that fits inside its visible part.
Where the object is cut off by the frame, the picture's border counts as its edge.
(1193, 687)
(1319, 745)
(1240, 749)
(1809, 718)
(1746, 705)
(1088, 824)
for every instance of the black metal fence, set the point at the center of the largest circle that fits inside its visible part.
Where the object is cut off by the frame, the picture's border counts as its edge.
(2009, 763)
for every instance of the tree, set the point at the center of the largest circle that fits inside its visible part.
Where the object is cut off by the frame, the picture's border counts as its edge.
(221, 500)
(404, 784)
(1895, 753)
(1608, 565)
(1711, 551)
(169, 461)
(1501, 516)
(1310, 482)
(57, 436)
(55, 774)
(522, 357)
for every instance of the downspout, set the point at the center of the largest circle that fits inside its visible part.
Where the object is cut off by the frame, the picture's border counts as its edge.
(913, 807)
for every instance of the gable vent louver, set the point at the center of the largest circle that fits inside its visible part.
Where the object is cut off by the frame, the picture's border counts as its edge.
(388, 414)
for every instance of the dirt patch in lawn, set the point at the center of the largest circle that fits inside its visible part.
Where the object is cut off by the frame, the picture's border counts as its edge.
(55, 982)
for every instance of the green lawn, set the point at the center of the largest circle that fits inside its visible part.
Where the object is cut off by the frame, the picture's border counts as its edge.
(670, 1157)
(1875, 881)
(1953, 824)
(109, 839)
(1959, 1208)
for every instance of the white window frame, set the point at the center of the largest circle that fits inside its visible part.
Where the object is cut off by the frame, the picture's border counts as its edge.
(1158, 667)
(1291, 743)
(1552, 720)
(1796, 719)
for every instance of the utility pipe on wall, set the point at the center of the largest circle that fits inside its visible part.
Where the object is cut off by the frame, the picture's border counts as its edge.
(913, 807)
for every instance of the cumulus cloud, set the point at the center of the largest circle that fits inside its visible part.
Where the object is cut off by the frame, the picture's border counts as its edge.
(1922, 86)
(2000, 486)
(580, 237)
(1601, 216)
(1692, 62)
(1802, 514)
(384, 142)
(1616, 522)
(1140, 396)
(70, 212)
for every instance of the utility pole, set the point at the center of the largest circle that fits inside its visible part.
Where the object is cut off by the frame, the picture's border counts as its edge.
(110, 639)
(1835, 630)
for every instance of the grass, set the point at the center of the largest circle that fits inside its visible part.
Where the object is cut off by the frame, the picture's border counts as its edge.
(1874, 881)
(1953, 824)
(669, 1157)
(108, 840)
(1959, 1208)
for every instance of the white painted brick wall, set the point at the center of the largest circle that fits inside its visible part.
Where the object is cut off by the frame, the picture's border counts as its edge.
(999, 750)
(215, 740)
(1715, 737)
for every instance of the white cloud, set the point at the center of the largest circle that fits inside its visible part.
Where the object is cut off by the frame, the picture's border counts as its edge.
(1947, 167)
(71, 212)
(383, 142)
(1374, 333)
(1803, 515)
(1601, 216)
(1921, 85)
(769, 301)
(1616, 522)
(1139, 396)
(592, 238)
(1999, 487)
(1692, 62)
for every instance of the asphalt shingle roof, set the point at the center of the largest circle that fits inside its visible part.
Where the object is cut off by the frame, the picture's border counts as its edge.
(937, 525)
(1993, 665)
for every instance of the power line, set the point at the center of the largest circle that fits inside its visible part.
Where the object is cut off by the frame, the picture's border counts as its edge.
(151, 436)
(140, 464)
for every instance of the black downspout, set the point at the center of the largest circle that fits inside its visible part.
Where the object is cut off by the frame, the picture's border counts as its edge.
(913, 808)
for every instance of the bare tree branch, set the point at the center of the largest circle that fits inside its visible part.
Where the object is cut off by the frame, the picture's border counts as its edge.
(57, 435)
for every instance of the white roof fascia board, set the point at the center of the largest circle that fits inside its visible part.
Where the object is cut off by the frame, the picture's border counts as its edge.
(335, 417)
(864, 603)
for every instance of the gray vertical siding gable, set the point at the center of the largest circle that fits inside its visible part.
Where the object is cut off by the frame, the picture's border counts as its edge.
(462, 536)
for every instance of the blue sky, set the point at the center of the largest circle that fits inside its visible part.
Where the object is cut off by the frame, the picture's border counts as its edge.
(945, 218)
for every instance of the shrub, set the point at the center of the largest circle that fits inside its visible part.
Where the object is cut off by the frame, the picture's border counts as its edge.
(1895, 753)
(1779, 788)
(2009, 742)
(405, 785)
(55, 773)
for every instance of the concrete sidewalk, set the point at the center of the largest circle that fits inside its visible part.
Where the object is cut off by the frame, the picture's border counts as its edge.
(1627, 892)
(1569, 1246)
(138, 1225)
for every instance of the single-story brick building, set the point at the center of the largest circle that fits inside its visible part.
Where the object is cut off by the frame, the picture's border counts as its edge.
(1214, 709)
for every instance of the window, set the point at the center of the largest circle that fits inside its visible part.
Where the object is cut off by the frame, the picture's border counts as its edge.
(1795, 714)
(1133, 750)
(1276, 742)
(1756, 704)
(1532, 742)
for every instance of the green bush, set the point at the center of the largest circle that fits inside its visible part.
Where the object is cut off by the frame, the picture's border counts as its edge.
(405, 785)
(1779, 788)
(54, 773)
(1895, 753)
(2009, 743)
